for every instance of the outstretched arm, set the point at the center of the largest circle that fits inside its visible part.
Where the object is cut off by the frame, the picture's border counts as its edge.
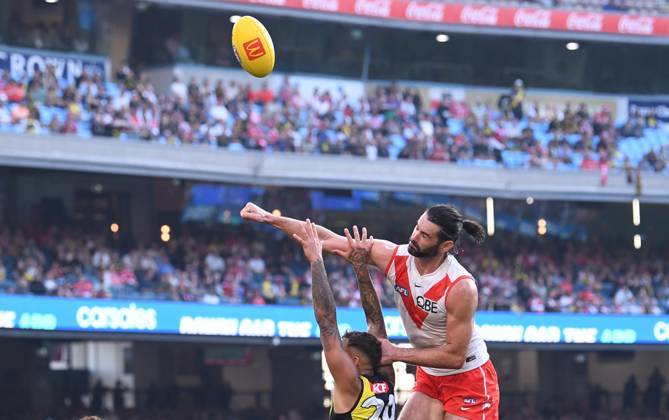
(461, 306)
(359, 252)
(381, 253)
(325, 310)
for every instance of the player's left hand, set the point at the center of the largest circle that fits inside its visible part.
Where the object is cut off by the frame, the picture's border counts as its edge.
(359, 247)
(311, 244)
(388, 351)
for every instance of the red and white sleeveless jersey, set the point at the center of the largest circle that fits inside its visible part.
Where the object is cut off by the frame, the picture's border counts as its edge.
(421, 301)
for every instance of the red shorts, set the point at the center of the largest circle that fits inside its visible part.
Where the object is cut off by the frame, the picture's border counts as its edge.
(473, 394)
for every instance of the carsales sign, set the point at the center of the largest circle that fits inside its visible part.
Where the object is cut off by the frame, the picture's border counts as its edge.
(37, 313)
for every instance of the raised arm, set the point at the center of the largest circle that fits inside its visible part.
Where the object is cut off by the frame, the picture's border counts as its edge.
(358, 254)
(340, 363)
(461, 306)
(381, 253)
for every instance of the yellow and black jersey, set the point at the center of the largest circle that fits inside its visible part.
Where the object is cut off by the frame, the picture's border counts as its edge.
(376, 401)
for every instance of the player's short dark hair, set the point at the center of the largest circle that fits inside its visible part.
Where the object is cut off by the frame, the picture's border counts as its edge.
(366, 343)
(451, 222)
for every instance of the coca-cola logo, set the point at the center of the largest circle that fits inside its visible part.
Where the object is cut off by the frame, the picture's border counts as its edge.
(532, 18)
(589, 22)
(479, 15)
(378, 8)
(270, 2)
(638, 25)
(326, 5)
(429, 12)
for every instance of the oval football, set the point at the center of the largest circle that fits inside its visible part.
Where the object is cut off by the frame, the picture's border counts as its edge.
(253, 46)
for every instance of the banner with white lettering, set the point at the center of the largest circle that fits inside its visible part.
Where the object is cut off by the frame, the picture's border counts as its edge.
(660, 109)
(524, 18)
(20, 62)
(153, 317)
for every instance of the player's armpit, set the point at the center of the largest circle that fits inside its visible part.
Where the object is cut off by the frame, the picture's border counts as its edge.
(343, 371)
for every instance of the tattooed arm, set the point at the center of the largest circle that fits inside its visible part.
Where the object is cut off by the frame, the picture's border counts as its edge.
(347, 381)
(325, 308)
(358, 254)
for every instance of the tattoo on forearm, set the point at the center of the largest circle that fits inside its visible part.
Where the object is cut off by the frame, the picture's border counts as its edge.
(370, 301)
(325, 307)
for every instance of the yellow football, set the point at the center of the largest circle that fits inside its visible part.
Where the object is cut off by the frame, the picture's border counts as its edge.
(253, 46)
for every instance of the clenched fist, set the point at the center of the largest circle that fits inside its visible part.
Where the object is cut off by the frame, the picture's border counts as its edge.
(255, 213)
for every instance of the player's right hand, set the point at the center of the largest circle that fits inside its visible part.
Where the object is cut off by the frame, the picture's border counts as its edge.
(359, 247)
(255, 213)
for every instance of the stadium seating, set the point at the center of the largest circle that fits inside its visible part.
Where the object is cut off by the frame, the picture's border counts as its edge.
(234, 268)
(389, 123)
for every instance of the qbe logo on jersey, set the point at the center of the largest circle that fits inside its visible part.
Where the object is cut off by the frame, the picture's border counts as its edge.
(254, 49)
(380, 388)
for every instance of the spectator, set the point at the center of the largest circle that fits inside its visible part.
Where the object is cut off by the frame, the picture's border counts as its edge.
(96, 397)
(630, 392)
(119, 397)
(653, 394)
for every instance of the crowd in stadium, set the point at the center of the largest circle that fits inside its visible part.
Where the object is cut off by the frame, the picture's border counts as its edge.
(250, 266)
(45, 35)
(390, 122)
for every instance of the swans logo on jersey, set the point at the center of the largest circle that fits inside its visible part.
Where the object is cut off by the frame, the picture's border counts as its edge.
(401, 290)
(380, 388)
(426, 304)
(470, 400)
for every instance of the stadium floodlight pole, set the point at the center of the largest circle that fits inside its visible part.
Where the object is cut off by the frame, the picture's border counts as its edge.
(636, 212)
(490, 215)
(367, 58)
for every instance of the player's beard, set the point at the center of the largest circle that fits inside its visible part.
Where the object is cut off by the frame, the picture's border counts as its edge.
(430, 252)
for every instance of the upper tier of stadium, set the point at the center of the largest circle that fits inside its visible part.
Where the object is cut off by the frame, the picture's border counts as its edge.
(387, 122)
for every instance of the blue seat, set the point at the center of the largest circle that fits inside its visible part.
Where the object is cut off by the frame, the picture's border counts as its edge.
(84, 130)
(573, 138)
(45, 115)
(566, 167)
(485, 163)
(85, 115)
(112, 89)
(455, 126)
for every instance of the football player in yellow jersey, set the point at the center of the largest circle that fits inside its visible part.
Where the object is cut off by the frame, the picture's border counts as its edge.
(363, 389)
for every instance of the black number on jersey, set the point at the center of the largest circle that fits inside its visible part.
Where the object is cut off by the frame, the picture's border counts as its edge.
(427, 305)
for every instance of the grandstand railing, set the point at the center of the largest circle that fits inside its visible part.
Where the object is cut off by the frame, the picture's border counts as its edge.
(207, 164)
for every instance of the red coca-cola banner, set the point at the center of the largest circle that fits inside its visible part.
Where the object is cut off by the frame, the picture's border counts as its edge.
(482, 15)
